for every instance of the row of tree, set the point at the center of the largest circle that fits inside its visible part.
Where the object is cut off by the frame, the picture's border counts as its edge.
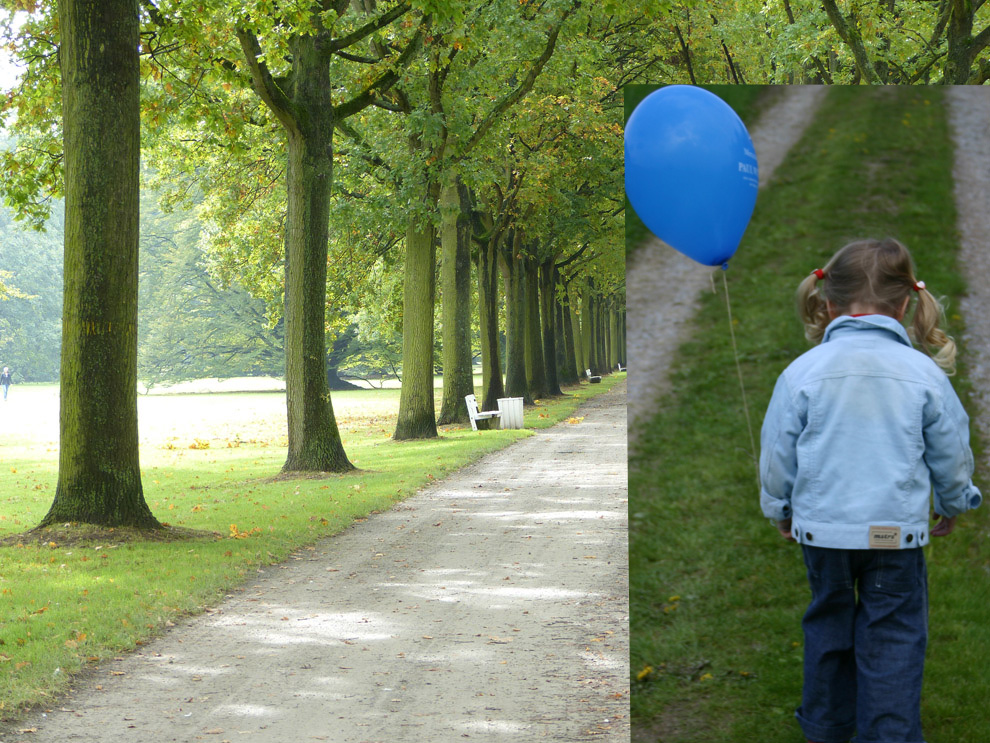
(487, 129)
(816, 41)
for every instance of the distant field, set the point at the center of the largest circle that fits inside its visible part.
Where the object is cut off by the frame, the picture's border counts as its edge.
(250, 409)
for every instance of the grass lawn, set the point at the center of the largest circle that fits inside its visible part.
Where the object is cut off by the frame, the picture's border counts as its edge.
(207, 463)
(716, 595)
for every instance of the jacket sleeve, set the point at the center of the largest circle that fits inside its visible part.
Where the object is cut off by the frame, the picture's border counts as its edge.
(778, 452)
(949, 457)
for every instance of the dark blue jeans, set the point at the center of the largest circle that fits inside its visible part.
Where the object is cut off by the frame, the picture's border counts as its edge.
(865, 634)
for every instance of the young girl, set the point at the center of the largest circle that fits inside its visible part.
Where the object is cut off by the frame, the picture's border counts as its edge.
(859, 432)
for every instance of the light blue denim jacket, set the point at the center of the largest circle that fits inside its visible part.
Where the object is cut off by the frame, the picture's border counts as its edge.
(859, 432)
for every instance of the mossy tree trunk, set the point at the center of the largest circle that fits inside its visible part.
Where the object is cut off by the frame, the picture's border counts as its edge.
(455, 280)
(417, 418)
(536, 376)
(548, 318)
(577, 330)
(303, 106)
(99, 477)
(569, 369)
(491, 367)
(513, 273)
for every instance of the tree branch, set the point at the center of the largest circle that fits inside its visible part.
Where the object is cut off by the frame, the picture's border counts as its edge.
(368, 96)
(850, 35)
(357, 35)
(522, 89)
(265, 85)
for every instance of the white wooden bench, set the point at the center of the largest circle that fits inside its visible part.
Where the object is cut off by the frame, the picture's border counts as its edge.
(476, 415)
(621, 367)
(593, 378)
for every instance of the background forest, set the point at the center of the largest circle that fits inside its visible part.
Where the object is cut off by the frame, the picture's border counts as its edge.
(190, 327)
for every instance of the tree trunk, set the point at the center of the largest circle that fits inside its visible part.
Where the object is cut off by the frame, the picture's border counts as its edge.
(595, 359)
(568, 369)
(577, 328)
(536, 376)
(303, 106)
(455, 277)
(548, 317)
(314, 439)
(961, 47)
(99, 477)
(416, 407)
(491, 367)
(515, 330)
(587, 328)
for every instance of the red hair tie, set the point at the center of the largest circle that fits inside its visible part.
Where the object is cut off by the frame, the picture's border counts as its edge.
(918, 286)
(819, 273)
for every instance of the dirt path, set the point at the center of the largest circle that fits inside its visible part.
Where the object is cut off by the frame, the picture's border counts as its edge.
(662, 286)
(491, 607)
(969, 112)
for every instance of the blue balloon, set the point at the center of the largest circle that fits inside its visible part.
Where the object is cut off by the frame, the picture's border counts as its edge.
(691, 171)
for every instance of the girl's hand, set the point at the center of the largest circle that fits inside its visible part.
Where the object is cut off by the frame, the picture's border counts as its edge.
(943, 525)
(784, 527)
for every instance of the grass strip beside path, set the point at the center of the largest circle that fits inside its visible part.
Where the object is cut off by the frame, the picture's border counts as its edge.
(716, 595)
(65, 606)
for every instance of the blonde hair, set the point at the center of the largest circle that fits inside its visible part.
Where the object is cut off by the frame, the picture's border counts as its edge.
(878, 274)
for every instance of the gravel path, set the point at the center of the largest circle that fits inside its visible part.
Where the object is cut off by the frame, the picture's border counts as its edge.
(662, 285)
(969, 117)
(491, 607)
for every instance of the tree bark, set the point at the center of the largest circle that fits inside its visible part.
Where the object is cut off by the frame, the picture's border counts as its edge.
(417, 417)
(568, 367)
(587, 328)
(491, 367)
(577, 328)
(536, 377)
(962, 47)
(548, 318)
(455, 278)
(515, 314)
(849, 33)
(99, 476)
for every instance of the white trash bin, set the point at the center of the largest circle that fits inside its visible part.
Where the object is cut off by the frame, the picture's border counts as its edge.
(511, 409)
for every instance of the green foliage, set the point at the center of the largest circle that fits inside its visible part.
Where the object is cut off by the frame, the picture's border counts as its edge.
(191, 325)
(30, 317)
(716, 599)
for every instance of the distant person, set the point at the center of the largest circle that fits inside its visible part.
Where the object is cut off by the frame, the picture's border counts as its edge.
(861, 430)
(5, 381)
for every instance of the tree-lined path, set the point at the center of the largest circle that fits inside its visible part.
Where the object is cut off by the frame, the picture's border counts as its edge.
(493, 606)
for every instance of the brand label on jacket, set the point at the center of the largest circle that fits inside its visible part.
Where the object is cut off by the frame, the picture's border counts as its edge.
(885, 537)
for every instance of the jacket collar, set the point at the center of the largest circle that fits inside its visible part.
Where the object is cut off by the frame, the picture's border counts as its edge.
(845, 324)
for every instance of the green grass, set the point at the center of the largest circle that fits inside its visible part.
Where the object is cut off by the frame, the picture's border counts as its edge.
(64, 607)
(716, 595)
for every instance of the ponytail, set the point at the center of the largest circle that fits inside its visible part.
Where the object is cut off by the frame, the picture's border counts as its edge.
(928, 334)
(812, 308)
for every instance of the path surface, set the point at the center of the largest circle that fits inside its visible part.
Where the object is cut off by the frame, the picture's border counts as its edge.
(662, 285)
(969, 112)
(491, 607)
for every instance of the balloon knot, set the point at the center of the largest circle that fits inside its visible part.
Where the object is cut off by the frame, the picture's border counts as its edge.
(725, 266)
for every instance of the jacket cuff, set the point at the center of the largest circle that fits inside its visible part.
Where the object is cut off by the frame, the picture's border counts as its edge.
(970, 498)
(775, 508)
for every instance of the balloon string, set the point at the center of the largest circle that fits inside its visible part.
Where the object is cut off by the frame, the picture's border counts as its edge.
(742, 387)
